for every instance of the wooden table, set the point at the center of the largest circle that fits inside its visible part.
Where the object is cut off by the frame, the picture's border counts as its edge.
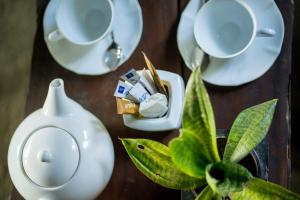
(161, 19)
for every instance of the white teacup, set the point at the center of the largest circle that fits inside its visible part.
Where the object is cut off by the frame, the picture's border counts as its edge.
(226, 28)
(83, 22)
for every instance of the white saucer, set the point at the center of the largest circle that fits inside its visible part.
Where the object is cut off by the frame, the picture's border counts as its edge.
(128, 26)
(246, 67)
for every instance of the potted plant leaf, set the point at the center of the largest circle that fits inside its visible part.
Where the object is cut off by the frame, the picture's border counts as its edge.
(192, 160)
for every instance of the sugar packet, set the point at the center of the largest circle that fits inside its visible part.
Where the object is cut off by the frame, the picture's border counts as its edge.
(131, 76)
(158, 83)
(155, 106)
(125, 106)
(122, 89)
(147, 82)
(139, 93)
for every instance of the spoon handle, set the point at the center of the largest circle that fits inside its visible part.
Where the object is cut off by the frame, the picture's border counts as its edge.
(112, 36)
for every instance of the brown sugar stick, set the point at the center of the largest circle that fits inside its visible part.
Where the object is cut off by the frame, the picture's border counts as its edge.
(158, 83)
(125, 106)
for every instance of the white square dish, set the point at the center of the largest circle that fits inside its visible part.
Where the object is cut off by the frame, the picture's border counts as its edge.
(172, 120)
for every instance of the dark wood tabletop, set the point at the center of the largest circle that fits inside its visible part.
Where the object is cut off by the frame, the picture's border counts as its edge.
(161, 19)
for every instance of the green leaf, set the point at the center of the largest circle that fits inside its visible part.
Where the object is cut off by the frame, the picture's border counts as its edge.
(257, 189)
(198, 116)
(153, 160)
(197, 146)
(248, 130)
(224, 177)
(188, 153)
(208, 194)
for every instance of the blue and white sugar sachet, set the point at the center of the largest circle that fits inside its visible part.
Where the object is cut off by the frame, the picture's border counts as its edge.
(140, 89)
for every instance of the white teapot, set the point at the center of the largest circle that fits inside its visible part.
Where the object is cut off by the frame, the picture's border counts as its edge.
(60, 151)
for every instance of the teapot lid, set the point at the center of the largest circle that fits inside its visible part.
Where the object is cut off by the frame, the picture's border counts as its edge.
(50, 157)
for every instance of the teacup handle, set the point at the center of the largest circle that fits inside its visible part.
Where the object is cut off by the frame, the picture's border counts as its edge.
(55, 35)
(266, 32)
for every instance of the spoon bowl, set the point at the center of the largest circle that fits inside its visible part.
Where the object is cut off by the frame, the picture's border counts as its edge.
(113, 54)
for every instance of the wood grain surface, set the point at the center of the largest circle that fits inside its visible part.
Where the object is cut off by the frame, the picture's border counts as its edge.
(161, 19)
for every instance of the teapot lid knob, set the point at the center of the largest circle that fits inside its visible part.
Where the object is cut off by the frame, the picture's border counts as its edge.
(45, 156)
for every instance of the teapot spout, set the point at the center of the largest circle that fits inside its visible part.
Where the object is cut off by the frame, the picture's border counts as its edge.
(57, 103)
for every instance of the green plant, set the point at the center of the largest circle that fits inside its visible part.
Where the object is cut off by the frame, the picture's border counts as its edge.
(192, 159)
